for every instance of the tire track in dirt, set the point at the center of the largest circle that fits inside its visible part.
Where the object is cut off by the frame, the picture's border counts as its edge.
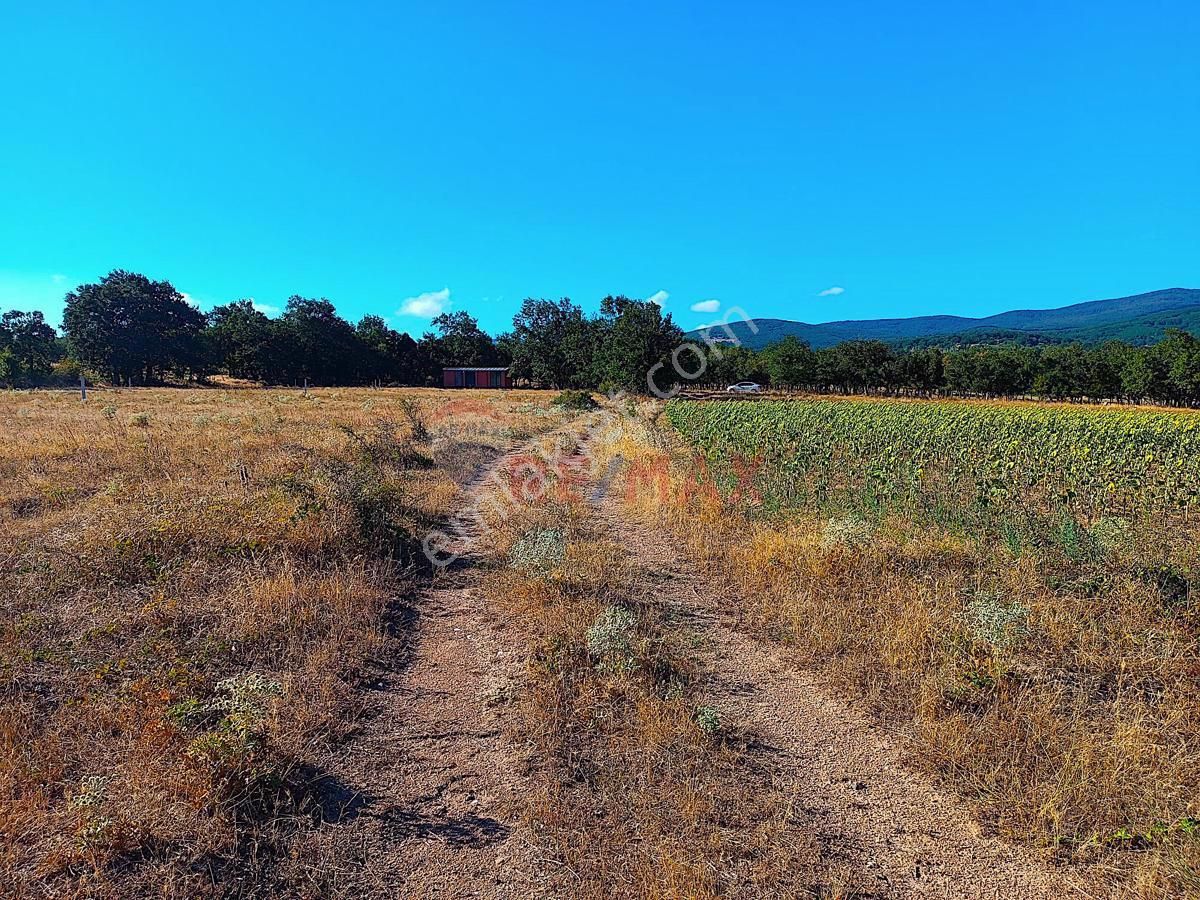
(431, 785)
(893, 830)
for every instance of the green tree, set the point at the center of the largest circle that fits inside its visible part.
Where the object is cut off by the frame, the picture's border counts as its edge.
(240, 339)
(29, 347)
(731, 363)
(791, 362)
(310, 340)
(920, 370)
(552, 343)
(127, 325)
(855, 365)
(1144, 375)
(457, 340)
(634, 352)
(1180, 353)
(388, 355)
(1063, 372)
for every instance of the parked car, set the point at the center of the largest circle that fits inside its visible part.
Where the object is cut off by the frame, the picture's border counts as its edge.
(744, 387)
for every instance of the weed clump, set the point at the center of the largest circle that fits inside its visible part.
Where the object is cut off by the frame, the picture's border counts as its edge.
(610, 640)
(708, 719)
(1110, 534)
(995, 622)
(540, 551)
(849, 532)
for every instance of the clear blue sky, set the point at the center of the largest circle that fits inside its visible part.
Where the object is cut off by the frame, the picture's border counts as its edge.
(932, 157)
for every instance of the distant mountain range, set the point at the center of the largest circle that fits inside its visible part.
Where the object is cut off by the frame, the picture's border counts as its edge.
(1140, 319)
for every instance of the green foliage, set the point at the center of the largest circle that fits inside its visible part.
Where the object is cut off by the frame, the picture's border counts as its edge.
(580, 400)
(552, 343)
(541, 551)
(708, 719)
(29, 348)
(127, 325)
(610, 640)
(458, 341)
(636, 345)
(240, 338)
(987, 466)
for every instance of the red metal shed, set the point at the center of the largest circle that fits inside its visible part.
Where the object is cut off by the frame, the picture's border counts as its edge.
(475, 376)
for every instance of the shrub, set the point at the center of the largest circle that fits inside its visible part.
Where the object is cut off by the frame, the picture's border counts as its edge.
(579, 400)
(845, 531)
(995, 622)
(609, 640)
(541, 550)
(708, 719)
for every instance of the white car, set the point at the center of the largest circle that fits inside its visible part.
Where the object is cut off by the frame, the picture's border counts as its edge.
(744, 387)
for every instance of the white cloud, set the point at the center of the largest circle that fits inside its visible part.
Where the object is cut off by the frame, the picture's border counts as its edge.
(658, 298)
(427, 305)
(58, 279)
(189, 299)
(706, 306)
(266, 308)
(832, 292)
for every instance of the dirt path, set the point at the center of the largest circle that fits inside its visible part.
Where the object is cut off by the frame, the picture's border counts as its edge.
(893, 830)
(429, 789)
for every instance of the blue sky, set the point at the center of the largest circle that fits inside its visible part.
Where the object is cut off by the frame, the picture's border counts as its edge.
(923, 158)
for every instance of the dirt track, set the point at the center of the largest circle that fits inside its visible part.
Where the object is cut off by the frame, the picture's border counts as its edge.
(433, 780)
(892, 831)
(437, 781)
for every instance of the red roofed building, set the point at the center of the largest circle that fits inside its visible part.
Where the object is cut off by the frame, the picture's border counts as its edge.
(476, 377)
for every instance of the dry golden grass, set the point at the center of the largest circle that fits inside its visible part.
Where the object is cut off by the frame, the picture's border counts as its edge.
(635, 792)
(1071, 714)
(190, 583)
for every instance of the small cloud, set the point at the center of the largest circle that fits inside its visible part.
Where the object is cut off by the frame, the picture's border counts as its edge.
(58, 279)
(189, 299)
(265, 308)
(832, 292)
(427, 305)
(658, 298)
(706, 306)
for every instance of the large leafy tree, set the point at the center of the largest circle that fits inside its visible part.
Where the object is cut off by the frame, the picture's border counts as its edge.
(1180, 353)
(311, 341)
(457, 340)
(1063, 372)
(388, 355)
(239, 337)
(636, 344)
(127, 325)
(791, 362)
(855, 365)
(552, 343)
(28, 347)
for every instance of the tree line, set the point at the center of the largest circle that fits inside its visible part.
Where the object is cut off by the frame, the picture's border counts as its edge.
(1167, 372)
(127, 329)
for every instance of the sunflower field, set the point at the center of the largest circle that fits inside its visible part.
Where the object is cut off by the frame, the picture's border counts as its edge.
(967, 463)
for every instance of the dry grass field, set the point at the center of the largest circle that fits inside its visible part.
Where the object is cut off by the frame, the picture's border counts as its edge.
(190, 584)
(205, 660)
(638, 788)
(1035, 633)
